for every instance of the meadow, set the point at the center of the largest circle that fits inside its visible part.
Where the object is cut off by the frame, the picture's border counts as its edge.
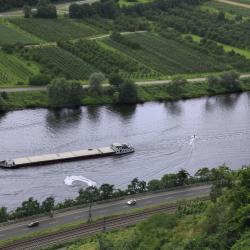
(52, 30)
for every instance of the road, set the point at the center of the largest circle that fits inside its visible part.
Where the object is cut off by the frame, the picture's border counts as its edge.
(44, 88)
(243, 5)
(86, 230)
(62, 8)
(102, 210)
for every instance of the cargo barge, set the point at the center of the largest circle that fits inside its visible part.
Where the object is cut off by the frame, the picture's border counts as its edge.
(114, 149)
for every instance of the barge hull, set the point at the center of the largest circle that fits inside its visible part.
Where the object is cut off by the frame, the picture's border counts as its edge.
(61, 157)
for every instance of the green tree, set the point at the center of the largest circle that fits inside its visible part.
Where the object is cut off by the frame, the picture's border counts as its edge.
(95, 83)
(48, 204)
(63, 93)
(137, 186)
(115, 80)
(88, 195)
(182, 177)
(213, 82)
(169, 180)
(106, 191)
(46, 10)
(203, 174)
(28, 208)
(3, 214)
(128, 92)
(2, 104)
(154, 185)
(175, 88)
(39, 80)
(230, 80)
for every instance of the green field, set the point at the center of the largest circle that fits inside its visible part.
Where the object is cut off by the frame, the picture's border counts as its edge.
(109, 60)
(231, 9)
(13, 69)
(52, 30)
(59, 62)
(10, 35)
(166, 55)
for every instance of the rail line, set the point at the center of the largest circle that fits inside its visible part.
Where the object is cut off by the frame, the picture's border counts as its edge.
(85, 230)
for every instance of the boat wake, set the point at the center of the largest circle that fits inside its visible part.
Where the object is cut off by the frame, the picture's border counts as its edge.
(69, 180)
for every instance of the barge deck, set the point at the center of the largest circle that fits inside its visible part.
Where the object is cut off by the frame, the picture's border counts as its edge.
(114, 149)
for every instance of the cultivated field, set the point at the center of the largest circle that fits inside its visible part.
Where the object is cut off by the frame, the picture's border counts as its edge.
(236, 10)
(10, 35)
(59, 62)
(13, 69)
(52, 30)
(108, 60)
(167, 56)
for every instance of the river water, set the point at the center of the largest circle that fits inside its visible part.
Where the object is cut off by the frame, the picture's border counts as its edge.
(162, 134)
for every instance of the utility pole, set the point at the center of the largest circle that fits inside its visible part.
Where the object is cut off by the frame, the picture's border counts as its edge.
(104, 224)
(90, 212)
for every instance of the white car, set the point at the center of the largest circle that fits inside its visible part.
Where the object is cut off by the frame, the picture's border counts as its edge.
(33, 224)
(131, 202)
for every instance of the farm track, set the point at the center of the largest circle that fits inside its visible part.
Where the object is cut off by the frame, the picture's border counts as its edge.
(86, 230)
(243, 5)
(140, 83)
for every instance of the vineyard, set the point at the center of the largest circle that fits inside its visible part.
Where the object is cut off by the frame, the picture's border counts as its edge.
(166, 55)
(108, 60)
(8, 35)
(53, 30)
(13, 70)
(58, 62)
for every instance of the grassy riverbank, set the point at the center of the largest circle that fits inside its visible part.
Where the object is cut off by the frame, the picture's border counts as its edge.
(156, 92)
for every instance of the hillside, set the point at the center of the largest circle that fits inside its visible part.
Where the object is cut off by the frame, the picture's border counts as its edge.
(76, 46)
(220, 224)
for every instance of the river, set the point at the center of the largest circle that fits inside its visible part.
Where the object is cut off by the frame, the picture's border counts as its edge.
(162, 134)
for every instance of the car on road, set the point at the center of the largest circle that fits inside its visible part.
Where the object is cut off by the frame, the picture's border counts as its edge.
(33, 224)
(131, 202)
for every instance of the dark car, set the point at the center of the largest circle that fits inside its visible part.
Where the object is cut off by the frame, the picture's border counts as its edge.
(33, 224)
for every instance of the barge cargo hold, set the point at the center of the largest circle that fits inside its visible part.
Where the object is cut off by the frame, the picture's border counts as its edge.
(114, 149)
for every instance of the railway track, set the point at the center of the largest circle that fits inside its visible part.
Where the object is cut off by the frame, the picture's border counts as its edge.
(85, 230)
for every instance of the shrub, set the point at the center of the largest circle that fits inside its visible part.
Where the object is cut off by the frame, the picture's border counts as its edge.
(40, 80)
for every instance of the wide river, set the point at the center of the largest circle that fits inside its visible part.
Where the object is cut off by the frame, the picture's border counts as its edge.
(162, 134)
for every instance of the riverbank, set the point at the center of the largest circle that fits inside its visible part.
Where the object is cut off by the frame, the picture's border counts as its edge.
(154, 92)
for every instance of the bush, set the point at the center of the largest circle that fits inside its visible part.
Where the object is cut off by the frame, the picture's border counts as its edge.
(95, 83)
(40, 80)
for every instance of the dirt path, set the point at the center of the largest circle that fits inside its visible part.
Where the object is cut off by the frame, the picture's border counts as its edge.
(243, 5)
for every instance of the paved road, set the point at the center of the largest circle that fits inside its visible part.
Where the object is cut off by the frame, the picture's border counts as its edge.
(102, 210)
(194, 80)
(243, 5)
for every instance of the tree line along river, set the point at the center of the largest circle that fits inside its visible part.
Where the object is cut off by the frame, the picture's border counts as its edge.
(162, 134)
